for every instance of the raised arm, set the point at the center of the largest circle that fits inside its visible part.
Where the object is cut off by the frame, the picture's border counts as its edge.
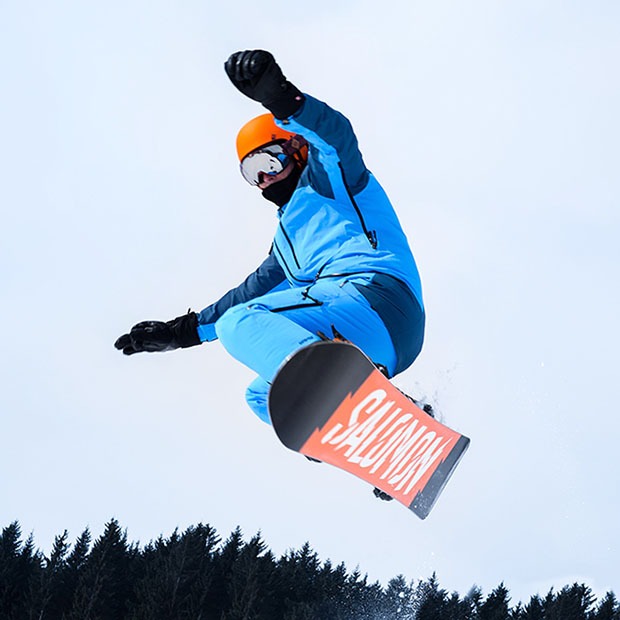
(256, 74)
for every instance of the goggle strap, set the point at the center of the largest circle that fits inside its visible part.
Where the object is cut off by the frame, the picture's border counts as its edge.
(294, 144)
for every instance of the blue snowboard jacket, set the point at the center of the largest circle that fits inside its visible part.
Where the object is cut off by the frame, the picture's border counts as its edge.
(338, 222)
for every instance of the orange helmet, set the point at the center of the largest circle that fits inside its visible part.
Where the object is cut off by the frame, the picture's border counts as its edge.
(260, 131)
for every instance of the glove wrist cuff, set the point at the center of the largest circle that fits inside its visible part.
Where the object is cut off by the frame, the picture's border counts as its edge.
(287, 103)
(185, 330)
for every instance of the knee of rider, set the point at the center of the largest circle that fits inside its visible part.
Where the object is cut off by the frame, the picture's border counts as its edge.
(222, 326)
(227, 326)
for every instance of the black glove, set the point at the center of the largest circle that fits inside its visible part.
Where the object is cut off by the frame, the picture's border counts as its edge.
(257, 75)
(159, 336)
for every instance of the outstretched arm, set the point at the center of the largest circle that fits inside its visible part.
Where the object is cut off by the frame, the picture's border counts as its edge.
(195, 328)
(265, 279)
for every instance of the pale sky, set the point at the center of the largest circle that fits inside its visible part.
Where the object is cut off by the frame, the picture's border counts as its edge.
(493, 127)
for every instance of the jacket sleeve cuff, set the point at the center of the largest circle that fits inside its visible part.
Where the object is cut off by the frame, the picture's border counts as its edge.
(206, 333)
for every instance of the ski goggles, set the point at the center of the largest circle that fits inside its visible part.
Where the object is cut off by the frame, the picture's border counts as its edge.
(266, 161)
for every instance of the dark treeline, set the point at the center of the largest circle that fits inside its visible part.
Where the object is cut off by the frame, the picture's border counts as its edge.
(197, 575)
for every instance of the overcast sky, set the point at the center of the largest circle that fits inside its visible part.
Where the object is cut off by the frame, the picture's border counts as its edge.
(494, 128)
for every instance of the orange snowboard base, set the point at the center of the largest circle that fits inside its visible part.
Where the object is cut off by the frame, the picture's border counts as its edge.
(329, 402)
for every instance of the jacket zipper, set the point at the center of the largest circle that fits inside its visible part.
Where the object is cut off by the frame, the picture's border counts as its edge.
(290, 245)
(371, 235)
(312, 304)
(287, 268)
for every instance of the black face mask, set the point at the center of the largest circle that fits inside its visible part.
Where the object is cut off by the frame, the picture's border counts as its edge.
(280, 193)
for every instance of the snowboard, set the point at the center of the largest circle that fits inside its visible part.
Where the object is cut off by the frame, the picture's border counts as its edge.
(329, 402)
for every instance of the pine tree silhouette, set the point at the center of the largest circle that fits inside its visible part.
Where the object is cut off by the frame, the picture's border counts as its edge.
(399, 599)
(54, 590)
(534, 610)
(20, 570)
(496, 606)
(570, 603)
(194, 576)
(432, 600)
(608, 608)
(176, 574)
(104, 589)
(250, 580)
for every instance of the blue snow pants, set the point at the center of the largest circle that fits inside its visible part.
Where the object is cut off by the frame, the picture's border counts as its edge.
(264, 332)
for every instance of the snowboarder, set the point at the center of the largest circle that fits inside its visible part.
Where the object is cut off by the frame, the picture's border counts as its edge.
(340, 263)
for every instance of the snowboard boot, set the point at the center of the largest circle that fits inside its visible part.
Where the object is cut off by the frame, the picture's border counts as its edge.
(337, 336)
(379, 494)
(428, 409)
